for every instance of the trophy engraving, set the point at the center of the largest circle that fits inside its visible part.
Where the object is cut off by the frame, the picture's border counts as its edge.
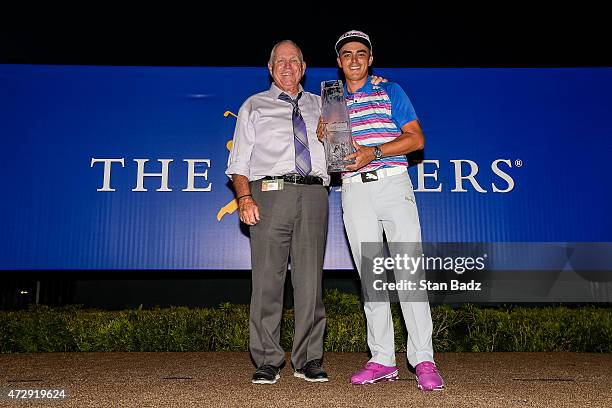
(338, 140)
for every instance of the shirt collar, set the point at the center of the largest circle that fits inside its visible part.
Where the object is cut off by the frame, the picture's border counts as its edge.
(367, 87)
(275, 91)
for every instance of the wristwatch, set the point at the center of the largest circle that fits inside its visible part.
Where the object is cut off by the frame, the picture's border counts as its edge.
(377, 153)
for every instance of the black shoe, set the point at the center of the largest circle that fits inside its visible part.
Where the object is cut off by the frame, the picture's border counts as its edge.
(312, 371)
(266, 374)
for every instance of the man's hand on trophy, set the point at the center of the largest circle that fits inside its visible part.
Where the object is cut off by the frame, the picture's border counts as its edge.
(362, 156)
(377, 79)
(321, 130)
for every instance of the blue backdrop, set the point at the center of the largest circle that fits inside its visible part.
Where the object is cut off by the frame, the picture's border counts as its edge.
(551, 128)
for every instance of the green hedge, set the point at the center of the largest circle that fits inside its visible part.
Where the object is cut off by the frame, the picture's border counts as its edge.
(225, 328)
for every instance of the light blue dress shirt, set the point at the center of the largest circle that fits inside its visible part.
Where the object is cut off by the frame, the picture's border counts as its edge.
(263, 140)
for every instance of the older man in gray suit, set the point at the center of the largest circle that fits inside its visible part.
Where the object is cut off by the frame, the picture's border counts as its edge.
(278, 169)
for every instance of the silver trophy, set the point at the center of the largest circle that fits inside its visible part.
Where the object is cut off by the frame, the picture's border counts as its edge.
(337, 124)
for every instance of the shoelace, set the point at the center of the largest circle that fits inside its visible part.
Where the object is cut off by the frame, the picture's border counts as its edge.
(267, 369)
(427, 368)
(313, 363)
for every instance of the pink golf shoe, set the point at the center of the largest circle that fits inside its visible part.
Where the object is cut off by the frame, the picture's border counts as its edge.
(374, 372)
(428, 378)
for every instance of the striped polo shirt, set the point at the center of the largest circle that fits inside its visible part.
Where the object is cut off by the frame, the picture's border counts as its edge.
(377, 114)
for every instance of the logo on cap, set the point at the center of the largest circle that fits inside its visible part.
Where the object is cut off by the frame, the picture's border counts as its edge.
(353, 35)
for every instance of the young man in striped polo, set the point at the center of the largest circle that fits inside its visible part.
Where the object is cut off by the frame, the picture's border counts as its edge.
(377, 196)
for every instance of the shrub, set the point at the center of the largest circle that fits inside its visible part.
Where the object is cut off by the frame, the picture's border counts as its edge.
(226, 328)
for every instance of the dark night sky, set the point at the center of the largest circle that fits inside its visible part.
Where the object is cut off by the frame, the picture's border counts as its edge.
(216, 36)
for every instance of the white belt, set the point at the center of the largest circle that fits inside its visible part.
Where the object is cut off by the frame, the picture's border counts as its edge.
(375, 175)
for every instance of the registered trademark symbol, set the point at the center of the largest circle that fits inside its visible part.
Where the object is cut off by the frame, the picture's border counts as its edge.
(518, 162)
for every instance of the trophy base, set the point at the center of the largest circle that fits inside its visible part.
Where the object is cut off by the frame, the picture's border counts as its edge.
(339, 167)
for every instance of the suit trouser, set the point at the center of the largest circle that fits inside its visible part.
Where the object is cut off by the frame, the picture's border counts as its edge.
(293, 224)
(369, 209)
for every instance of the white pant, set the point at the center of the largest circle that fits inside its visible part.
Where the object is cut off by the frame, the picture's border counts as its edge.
(369, 208)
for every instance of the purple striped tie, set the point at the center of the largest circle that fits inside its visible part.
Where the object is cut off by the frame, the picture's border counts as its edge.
(300, 137)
